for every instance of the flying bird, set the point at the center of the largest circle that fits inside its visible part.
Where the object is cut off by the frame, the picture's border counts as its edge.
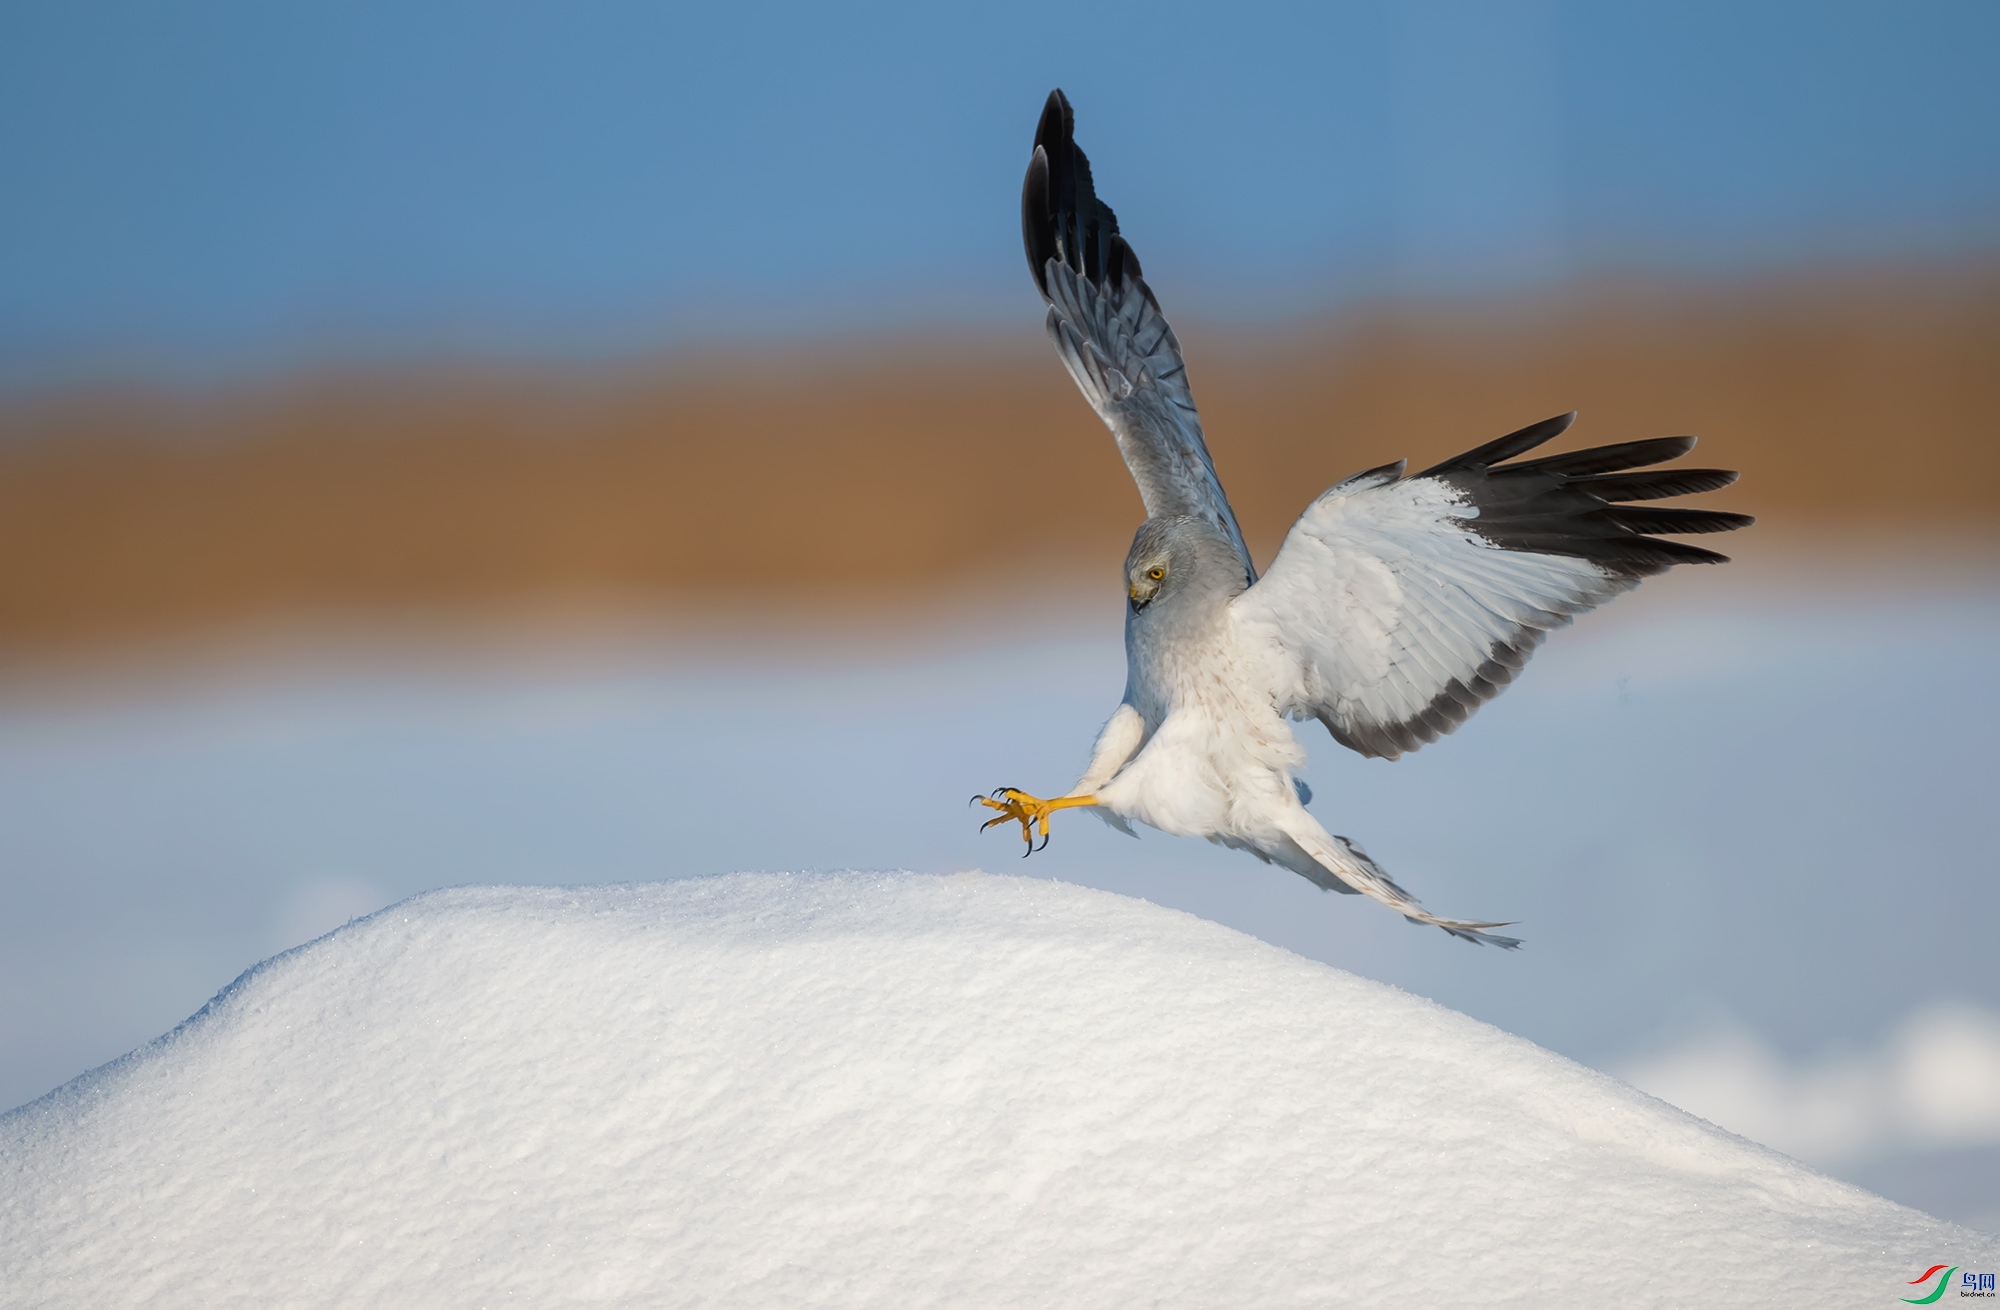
(1398, 604)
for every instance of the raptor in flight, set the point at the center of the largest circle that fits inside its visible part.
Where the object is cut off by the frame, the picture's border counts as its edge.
(1397, 605)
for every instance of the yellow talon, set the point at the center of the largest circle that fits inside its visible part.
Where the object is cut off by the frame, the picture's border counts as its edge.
(1028, 811)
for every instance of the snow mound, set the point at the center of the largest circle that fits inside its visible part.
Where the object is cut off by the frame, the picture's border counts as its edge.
(885, 1090)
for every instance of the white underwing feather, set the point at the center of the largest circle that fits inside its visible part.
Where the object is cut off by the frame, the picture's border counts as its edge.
(1383, 615)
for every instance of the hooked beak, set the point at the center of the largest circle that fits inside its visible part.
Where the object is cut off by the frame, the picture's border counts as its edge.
(1141, 597)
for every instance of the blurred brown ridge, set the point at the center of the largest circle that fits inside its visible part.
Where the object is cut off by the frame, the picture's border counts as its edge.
(956, 467)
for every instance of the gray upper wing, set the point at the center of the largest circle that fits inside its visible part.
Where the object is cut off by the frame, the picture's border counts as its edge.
(1110, 333)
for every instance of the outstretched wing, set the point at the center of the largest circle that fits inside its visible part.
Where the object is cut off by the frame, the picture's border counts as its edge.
(1110, 332)
(1397, 605)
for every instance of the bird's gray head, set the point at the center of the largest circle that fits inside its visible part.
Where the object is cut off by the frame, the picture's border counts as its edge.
(1180, 563)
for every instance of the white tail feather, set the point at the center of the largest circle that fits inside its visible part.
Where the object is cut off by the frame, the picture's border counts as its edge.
(1352, 866)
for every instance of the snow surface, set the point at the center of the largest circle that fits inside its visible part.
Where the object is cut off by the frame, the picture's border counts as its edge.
(886, 1089)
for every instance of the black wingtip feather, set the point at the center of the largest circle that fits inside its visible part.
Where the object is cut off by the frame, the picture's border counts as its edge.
(1569, 503)
(1655, 484)
(1061, 216)
(1678, 522)
(1037, 231)
(1058, 120)
(1607, 459)
(1514, 443)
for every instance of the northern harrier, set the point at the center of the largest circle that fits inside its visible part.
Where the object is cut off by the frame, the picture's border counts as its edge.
(1397, 605)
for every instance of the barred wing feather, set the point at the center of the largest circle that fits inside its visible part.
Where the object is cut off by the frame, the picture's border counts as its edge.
(1108, 329)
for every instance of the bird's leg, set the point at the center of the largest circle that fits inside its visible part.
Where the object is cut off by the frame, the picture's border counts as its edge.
(1028, 811)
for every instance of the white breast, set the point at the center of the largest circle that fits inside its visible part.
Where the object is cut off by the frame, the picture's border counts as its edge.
(1221, 757)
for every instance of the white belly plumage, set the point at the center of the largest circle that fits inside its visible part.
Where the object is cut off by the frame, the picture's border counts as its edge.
(1211, 770)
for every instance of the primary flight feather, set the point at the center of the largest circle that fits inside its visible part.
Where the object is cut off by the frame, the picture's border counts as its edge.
(1396, 606)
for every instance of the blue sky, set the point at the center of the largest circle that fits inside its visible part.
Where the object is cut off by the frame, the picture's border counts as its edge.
(219, 186)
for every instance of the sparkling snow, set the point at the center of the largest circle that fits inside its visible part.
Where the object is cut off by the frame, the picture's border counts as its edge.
(886, 1089)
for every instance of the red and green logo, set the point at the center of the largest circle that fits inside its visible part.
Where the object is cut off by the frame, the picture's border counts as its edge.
(1935, 1292)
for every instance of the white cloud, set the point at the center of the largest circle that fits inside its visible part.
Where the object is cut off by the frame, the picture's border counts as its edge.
(1934, 1084)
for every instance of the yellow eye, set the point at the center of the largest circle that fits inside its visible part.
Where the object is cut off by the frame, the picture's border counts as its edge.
(1156, 574)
